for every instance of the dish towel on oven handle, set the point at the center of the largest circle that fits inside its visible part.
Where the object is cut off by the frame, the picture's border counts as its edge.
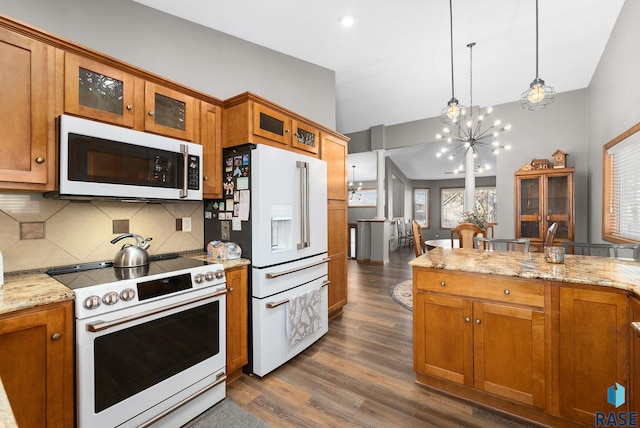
(303, 315)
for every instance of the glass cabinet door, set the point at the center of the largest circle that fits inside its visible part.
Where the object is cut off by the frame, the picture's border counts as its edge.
(305, 137)
(271, 124)
(530, 207)
(168, 112)
(558, 204)
(98, 91)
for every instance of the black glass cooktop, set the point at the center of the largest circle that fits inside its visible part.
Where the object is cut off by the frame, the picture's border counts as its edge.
(91, 274)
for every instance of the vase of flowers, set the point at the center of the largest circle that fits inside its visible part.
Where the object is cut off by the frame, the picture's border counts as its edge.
(475, 217)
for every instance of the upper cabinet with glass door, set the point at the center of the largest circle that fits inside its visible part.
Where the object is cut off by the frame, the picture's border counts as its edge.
(98, 91)
(544, 197)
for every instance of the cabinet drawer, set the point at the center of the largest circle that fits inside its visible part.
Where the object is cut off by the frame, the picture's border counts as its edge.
(490, 287)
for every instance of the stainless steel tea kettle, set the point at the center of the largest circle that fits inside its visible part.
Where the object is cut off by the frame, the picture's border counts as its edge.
(132, 255)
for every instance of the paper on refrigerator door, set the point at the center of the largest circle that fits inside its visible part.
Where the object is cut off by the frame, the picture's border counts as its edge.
(244, 205)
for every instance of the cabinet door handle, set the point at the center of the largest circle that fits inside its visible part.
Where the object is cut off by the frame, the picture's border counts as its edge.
(507, 292)
(39, 159)
(478, 321)
(442, 283)
(129, 107)
(56, 336)
(205, 178)
(150, 113)
(467, 319)
(230, 289)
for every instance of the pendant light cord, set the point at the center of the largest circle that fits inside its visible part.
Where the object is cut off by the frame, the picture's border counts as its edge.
(537, 40)
(451, 38)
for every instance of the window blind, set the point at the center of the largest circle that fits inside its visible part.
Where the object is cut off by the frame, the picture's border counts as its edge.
(624, 211)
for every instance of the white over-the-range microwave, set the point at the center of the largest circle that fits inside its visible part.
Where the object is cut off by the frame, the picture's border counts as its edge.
(98, 160)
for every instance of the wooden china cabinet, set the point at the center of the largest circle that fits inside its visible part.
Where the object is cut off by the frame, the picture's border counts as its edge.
(544, 197)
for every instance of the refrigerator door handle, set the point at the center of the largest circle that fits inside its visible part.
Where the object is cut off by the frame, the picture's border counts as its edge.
(303, 168)
(271, 275)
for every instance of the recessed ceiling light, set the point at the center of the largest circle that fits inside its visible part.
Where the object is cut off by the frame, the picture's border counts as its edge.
(348, 21)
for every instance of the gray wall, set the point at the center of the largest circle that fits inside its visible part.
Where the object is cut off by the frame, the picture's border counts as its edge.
(195, 56)
(533, 135)
(614, 102)
(578, 122)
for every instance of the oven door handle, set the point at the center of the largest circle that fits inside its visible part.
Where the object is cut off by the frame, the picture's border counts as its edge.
(101, 325)
(271, 275)
(219, 379)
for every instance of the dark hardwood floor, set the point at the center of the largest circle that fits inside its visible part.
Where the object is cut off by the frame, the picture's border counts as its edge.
(360, 373)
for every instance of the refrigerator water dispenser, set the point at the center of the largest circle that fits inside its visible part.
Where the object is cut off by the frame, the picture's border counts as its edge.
(281, 228)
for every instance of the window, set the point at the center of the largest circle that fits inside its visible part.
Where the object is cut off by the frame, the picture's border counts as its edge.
(621, 195)
(452, 205)
(421, 206)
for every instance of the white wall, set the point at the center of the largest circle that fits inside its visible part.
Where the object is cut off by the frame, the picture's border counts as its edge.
(203, 59)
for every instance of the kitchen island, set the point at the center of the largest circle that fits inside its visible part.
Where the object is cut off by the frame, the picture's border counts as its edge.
(540, 340)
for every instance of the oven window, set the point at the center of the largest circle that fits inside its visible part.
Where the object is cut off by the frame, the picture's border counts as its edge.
(134, 359)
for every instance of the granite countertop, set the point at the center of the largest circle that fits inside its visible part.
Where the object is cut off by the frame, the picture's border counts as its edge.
(603, 271)
(30, 290)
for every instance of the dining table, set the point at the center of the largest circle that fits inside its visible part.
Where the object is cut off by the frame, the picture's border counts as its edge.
(442, 243)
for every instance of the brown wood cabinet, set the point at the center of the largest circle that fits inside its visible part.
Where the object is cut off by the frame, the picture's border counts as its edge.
(249, 118)
(237, 321)
(544, 197)
(334, 152)
(593, 342)
(27, 103)
(482, 332)
(211, 141)
(36, 364)
(109, 94)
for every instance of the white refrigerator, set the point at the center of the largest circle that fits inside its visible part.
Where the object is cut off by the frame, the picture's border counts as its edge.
(285, 236)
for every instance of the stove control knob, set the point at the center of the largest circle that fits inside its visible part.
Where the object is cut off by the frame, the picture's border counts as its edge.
(127, 294)
(208, 276)
(92, 302)
(199, 278)
(219, 274)
(110, 298)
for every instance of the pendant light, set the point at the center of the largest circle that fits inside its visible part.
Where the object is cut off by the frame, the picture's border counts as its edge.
(539, 95)
(453, 109)
(352, 189)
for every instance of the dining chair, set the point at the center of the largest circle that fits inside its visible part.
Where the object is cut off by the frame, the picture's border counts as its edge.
(419, 247)
(402, 233)
(499, 244)
(603, 250)
(466, 232)
(551, 235)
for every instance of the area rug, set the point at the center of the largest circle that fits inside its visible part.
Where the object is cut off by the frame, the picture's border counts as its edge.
(401, 292)
(226, 414)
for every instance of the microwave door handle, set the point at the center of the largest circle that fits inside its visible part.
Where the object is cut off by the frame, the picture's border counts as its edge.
(185, 170)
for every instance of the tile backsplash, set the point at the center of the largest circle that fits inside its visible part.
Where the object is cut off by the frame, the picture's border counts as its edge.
(37, 232)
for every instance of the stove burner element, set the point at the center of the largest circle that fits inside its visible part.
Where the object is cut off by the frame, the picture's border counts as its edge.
(105, 264)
